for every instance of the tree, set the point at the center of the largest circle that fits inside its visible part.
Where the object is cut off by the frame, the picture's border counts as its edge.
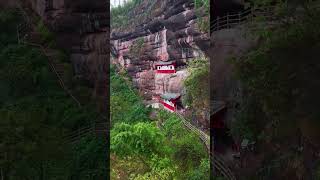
(141, 140)
(29, 148)
(89, 159)
(202, 172)
(161, 168)
(281, 85)
(197, 86)
(35, 113)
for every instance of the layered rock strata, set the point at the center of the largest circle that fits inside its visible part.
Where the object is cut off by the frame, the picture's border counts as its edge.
(81, 28)
(170, 33)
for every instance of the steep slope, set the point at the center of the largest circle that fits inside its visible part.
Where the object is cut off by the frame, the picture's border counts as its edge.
(82, 30)
(161, 31)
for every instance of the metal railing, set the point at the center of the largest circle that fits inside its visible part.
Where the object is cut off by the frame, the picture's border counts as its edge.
(231, 20)
(218, 163)
(203, 136)
(221, 166)
(22, 32)
(96, 129)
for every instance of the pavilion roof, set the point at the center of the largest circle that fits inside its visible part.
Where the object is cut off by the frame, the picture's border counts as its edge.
(170, 96)
(216, 106)
(163, 63)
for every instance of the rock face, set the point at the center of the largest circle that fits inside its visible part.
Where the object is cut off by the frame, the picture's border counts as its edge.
(82, 30)
(169, 34)
(8, 4)
(223, 7)
(227, 44)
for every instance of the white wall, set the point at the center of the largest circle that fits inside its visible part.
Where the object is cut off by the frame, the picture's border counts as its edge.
(168, 102)
(170, 67)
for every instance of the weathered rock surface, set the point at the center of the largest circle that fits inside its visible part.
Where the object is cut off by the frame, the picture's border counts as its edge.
(82, 30)
(169, 34)
(227, 44)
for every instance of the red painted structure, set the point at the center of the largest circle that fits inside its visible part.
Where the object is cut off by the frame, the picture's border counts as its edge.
(169, 101)
(168, 106)
(218, 119)
(165, 67)
(220, 129)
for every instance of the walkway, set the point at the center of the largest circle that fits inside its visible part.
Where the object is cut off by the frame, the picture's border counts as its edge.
(217, 162)
(27, 35)
(202, 135)
(232, 20)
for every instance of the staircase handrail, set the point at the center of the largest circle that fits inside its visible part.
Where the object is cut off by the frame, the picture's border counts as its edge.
(27, 24)
(217, 161)
(230, 20)
(84, 131)
(219, 164)
(44, 51)
(203, 136)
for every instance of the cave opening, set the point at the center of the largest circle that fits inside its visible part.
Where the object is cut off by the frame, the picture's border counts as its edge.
(221, 8)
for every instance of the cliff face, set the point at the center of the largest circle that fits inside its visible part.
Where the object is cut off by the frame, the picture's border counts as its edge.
(227, 44)
(170, 33)
(82, 30)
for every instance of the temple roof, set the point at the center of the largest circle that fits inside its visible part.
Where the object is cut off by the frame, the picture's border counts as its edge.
(216, 106)
(170, 96)
(163, 63)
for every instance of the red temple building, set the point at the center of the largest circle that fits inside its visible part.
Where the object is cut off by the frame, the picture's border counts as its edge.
(218, 114)
(169, 101)
(165, 67)
(220, 131)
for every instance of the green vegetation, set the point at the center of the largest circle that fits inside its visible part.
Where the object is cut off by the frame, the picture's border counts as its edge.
(89, 159)
(141, 150)
(197, 86)
(281, 84)
(203, 8)
(119, 15)
(36, 115)
(276, 79)
(136, 48)
(46, 35)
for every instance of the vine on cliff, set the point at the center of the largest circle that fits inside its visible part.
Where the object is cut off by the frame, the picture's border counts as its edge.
(202, 9)
(197, 86)
(136, 48)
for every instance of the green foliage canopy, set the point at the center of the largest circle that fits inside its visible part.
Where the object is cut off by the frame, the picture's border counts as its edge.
(197, 85)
